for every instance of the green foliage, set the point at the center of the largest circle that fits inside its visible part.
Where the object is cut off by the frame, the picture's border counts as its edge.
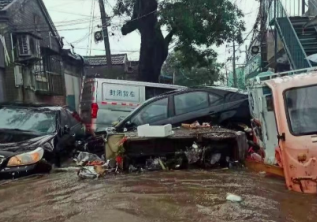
(197, 24)
(193, 76)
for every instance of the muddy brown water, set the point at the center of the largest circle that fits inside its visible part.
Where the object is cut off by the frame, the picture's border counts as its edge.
(159, 196)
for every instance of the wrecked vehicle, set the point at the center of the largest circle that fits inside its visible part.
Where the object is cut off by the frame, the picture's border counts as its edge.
(32, 138)
(215, 105)
(283, 108)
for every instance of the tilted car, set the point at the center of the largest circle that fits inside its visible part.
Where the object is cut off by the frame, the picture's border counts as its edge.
(217, 105)
(32, 138)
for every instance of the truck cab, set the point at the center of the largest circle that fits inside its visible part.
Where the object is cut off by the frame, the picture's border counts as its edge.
(284, 123)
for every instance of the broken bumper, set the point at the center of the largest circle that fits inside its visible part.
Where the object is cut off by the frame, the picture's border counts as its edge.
(21, 171)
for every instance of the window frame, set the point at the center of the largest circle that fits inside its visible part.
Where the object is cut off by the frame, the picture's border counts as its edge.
(289, 124)
(174, 104)
(150, 104)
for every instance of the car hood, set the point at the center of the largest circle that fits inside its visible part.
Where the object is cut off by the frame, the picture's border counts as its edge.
(24, 145)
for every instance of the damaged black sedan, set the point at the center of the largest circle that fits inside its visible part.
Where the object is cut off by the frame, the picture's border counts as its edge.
(33, 138)
(216, 105)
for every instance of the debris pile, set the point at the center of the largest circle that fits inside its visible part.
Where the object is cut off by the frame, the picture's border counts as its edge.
(94, 167)
(190, 146)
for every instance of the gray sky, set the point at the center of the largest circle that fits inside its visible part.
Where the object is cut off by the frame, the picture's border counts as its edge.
(74, 20)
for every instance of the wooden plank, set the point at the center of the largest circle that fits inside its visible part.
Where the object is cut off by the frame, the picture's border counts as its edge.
(260, 167)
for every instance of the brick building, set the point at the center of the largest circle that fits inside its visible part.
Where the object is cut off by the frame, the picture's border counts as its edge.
(122, 68)
(35, 62)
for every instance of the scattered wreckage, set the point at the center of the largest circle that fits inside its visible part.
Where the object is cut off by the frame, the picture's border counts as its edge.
(200, 146)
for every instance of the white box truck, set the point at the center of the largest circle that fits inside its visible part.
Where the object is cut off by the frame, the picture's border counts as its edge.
(106, 101)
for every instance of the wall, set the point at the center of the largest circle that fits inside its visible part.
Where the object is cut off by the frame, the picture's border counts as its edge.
(2, 95)
(73, 84)
(21, 18)
(117, 71)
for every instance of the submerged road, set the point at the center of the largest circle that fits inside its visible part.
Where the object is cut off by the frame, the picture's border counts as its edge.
(159, 196)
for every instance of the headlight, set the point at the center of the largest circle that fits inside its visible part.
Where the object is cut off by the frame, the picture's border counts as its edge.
(26, 158)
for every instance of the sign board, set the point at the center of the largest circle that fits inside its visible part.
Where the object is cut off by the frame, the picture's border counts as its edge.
(114, 92)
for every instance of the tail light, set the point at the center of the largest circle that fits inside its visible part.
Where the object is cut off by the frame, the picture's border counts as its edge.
(94, 110)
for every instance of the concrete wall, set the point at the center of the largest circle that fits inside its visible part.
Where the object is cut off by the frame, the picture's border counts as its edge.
(73, 84)
(21, 18)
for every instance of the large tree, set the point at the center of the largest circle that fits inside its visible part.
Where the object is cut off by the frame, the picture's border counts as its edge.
(197, 25)
(195, 75)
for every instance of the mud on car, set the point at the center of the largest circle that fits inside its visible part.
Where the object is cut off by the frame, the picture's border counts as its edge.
(34, 137)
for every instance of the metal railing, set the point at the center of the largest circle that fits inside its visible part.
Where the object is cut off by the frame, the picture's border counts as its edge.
(279, 18)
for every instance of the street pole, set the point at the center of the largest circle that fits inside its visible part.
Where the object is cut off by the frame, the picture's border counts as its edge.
(303, 7)
(234, 65)
(105, 32)
(227, 76)
(275, 35)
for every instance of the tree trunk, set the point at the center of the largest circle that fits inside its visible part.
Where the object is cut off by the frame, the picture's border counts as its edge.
(154, 48)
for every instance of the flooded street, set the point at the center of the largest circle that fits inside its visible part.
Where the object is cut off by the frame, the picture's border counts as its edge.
(160, 196)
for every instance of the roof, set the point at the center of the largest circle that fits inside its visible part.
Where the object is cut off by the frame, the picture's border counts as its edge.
(118, 59)
(227, 88)
(137, 83)
(4, 3)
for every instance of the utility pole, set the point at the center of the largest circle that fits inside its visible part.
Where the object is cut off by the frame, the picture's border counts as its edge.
(234, 65)
(275, 36)
(227, 76)
(303, 7)
(104, 19)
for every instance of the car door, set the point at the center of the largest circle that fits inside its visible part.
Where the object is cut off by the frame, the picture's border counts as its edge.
(64, 138)
(76, 126)
(202, 106)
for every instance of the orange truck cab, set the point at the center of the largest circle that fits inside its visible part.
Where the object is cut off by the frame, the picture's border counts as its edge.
(284, 123)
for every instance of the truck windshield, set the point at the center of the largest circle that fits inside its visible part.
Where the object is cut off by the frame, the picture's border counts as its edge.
(301, 106)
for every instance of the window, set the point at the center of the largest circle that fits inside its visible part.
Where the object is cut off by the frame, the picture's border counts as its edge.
(28, 46)
(190, 102)
(47, 75)
(53, 65)
(72, 120)
(213, 98)
(301, 107)
(64, 118)
(154, 112)
(269, 103)
(40, 76)
(151, 92)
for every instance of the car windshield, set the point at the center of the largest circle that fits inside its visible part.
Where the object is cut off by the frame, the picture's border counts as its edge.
(301, 106)
(26, 119)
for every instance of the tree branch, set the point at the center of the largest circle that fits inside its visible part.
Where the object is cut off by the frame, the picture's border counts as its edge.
(169, 37)
(129, 27)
